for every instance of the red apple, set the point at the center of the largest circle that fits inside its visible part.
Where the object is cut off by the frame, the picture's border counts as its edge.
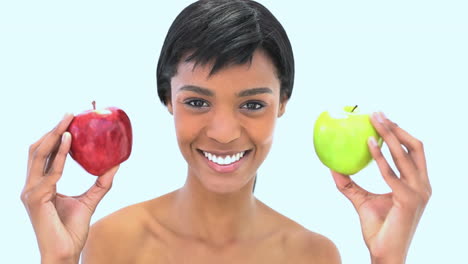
(101, 139)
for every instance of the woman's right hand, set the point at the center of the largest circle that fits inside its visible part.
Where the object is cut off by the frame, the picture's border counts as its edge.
(61, 222)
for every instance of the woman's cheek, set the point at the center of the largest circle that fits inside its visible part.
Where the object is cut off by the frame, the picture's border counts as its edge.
(185, 124)
(261, 130)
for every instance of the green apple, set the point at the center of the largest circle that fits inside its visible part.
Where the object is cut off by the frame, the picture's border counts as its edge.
(340, 142)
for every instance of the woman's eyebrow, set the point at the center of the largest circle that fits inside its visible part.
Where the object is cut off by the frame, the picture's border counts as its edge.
(197, 89)
(255, 91)
(208, 92)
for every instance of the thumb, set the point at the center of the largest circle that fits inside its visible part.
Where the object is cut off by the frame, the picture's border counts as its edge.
(355, 193)
(103, 184)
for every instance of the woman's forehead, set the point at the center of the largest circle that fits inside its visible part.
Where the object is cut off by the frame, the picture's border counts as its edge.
(260, 72)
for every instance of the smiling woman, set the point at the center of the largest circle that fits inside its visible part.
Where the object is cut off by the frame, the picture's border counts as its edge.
(232, 112)
(226, 74)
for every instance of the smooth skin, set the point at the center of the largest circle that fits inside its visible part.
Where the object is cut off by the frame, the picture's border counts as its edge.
(61, 222)
(389, 221)
(214, 217)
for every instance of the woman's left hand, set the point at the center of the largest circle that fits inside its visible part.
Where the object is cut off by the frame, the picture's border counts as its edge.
(389, 221)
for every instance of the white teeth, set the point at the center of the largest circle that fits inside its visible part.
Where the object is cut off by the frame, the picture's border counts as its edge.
(224, 161)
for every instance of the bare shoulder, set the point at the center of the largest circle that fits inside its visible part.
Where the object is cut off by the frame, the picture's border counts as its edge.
(114, 238)
(304, 246)
(309, 247)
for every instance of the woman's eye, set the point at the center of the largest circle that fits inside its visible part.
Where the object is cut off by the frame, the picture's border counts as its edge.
(253, 106)
(197, 103)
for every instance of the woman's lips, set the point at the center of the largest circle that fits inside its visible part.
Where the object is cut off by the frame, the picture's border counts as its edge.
(225, 168)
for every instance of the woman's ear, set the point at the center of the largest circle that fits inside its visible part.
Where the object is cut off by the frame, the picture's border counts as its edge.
(282, 107)
(169, 106)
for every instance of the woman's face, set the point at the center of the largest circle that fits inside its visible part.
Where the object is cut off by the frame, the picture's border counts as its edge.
(225, 122)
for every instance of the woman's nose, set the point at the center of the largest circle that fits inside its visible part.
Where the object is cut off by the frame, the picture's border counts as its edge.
(224, 127)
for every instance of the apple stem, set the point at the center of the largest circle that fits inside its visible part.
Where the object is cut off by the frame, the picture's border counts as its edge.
(94, 105)
(354, 108)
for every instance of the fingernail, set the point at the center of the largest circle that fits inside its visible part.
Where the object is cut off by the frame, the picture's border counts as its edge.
(65, 136)
(378, 117)
(372, 141)
(66, 115)
(382, 115)
(375, 116)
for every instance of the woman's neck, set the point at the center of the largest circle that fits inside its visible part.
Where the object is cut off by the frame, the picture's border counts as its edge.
(214, 218)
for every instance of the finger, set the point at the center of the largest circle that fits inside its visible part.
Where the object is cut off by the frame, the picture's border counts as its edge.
(58, 163)
(47, 147)
(355, 193)
(33, 178)
(33, 148)
(402, 160)
(103, 184)
(386, 171)
(415, 149)
(51, 157)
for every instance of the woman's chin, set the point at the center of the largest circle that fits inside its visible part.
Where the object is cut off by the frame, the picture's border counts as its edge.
(224, 186)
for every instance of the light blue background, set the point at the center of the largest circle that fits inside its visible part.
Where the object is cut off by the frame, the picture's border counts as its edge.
(406, 58)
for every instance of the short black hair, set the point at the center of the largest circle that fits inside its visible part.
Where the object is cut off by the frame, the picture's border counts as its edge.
(224, 32)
